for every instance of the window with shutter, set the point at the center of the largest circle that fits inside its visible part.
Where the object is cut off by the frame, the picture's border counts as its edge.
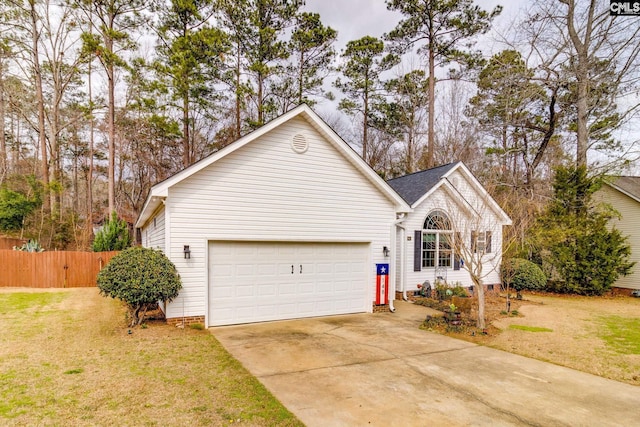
(417, 250)
(437, 246)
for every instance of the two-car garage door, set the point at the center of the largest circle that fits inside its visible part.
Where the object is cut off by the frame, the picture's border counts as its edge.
(261, 281)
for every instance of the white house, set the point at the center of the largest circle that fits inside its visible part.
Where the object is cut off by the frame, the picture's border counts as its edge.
(290, 222)
(286, 222)
(454, 226)
(623, 194)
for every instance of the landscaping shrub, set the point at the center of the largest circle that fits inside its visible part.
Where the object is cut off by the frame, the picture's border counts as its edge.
(114, 236)
(521, 274)
(140, 277)
(443, 291)
(574, 240)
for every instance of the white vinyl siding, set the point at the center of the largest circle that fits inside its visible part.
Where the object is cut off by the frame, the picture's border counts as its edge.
(452, 203)
(629, 225)
(153, 234)
(265, 191)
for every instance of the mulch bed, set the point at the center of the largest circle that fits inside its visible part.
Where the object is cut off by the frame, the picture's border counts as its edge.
(495, 308)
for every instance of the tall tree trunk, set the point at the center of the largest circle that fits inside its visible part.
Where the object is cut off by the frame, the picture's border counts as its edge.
(42, 137)
(186, 146)
(4, 166)
(581, 70)
(238, 95)
(55, 154)
(111, 135)
(410, 144)
(300, 78)
(432, 95)
(365, 123)
(90, 168)
(505, 154)
(582, 134)
(260, 104)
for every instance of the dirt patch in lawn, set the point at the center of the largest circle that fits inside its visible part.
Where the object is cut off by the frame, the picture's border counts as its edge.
(67, 357)
(598, 335)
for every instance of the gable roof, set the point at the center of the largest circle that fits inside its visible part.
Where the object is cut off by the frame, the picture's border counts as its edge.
(160, 191)
(413, 186)
(418, 186)
(629, 185)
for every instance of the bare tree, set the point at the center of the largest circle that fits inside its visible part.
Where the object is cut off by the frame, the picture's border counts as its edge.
(477, 240)
(595, 56)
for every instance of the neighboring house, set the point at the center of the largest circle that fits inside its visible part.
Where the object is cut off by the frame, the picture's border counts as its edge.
(286, 222)
(454, 226)
(623, 193)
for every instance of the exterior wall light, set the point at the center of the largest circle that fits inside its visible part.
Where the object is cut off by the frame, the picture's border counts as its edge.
(187, 252)
(385, 251)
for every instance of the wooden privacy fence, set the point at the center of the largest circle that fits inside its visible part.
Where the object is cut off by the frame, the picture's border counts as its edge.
(60, 269)
(9, 243)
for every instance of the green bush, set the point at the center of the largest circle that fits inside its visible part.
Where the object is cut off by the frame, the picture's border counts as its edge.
(30, 246)
(444, 291)
(114, 236)
(14, 208)
(140, 277)
(574, 240)
(521, 274)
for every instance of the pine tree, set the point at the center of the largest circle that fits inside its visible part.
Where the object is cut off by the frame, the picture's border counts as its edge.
(190, 59)
(572, 240)
(362, 85)
(438, 28)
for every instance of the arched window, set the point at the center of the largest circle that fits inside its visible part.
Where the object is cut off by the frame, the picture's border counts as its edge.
(437, 240)
(437, 220)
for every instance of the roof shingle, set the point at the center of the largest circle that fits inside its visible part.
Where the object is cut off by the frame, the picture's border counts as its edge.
(413, 186)
(629, 185)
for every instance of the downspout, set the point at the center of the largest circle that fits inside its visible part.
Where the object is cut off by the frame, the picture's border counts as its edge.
(394, 247)
(403, 287)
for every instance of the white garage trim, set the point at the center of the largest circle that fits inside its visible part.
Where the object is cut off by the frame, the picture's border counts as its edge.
(254, 281)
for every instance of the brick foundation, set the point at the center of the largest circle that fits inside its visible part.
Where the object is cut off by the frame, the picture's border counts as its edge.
(181, 322)
(381, 308)
(621, 291)
(488, 289)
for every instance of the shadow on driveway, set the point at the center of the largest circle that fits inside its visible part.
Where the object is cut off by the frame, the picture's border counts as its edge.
(381, 370)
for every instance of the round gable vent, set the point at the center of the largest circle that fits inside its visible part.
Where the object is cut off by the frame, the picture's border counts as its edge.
(299, 143)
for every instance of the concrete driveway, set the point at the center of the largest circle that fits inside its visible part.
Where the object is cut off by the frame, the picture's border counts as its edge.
(381, 370)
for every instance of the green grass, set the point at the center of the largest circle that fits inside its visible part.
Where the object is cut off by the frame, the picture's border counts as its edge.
(622, 334)
(67, 358)
(20, 301)
(530, 328)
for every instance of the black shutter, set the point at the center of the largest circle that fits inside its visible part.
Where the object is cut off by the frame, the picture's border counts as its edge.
(417, 250)
(456, 251)
(488, 242)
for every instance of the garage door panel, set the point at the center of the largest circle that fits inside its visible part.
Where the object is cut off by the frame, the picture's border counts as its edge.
(289, 289)
(253, 281)
(223, 292)
(306, 287)
(342, 286)
(244, 290)
(267, 290)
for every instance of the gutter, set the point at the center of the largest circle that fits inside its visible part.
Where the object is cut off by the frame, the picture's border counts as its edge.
(398, 225)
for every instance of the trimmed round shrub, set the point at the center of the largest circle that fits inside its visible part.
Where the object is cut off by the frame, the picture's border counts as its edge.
(141, 277)
(522, 274)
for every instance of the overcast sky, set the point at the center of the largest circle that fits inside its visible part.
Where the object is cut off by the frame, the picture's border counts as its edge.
(354, 19)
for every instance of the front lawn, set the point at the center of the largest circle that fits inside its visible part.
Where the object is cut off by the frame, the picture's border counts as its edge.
(67, 357)
(599, 335)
